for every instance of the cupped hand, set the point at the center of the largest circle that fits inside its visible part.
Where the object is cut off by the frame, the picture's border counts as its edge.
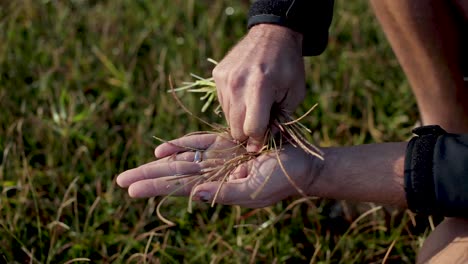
(264, 68)
(256, 183)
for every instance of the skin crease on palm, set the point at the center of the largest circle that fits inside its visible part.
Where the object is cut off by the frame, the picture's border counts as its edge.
(264, 68)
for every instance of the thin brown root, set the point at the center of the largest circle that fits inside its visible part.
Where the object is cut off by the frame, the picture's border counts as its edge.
(200, 133)
(387, 254)
(158, 207)
(176, 145)
(304, 127)
(219, 189)
(301, 117)
(317, 152)
(160, 216)
(302, 142)
(285, 135)
(230, 166)
(192, 193)
(222, 135)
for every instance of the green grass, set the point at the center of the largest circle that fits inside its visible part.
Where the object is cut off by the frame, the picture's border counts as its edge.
(83, 90)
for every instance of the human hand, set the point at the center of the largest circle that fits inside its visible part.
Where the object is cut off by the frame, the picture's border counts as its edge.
(264, 68)
(261, 176)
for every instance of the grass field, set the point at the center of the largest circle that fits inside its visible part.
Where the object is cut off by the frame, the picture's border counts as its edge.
(83, 90)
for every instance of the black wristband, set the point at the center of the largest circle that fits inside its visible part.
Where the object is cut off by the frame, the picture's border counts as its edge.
(310, 18)
(284, 13)
(418, 173)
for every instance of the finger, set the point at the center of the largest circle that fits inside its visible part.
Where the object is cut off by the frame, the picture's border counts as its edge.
(188, 156)
(236, 122)
(234, 104)
(184, 156)
(255, 145)
(257, 117)
(219, 77)
(156, 170)
(172, 185)
(199, 141)
(224, 105)
(224, 102)
(165, 167)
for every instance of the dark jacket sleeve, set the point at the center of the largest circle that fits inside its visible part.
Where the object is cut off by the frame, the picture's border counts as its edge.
(312, 18)
(436, 173)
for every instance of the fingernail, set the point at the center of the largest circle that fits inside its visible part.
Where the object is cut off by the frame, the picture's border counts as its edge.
(203, 196)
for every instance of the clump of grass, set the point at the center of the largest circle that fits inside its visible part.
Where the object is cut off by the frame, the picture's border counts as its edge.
(289, 131)
(205, 86)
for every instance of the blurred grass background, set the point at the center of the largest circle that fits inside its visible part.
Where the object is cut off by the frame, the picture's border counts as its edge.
(83, 90)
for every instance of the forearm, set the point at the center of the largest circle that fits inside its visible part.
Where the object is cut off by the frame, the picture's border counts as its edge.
(366, 173)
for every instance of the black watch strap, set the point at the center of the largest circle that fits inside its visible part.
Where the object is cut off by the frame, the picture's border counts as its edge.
(418, 173)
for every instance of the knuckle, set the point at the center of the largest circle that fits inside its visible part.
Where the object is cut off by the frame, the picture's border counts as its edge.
(154, 186)
(173, 167)
(144, 172)
(218, 72)
(235, 82)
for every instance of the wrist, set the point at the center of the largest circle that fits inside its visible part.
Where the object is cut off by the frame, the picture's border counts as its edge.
(314, 172)
(326, 172)
(278, 34)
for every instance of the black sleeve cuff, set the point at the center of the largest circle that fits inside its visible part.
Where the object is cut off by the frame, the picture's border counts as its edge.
(419, 184)
(451, 175)
(436, 172)
(311, 18)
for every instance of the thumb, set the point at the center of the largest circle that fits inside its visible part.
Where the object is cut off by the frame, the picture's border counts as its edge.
(255, 144)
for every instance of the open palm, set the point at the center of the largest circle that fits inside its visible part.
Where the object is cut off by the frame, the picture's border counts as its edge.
(259, 181)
